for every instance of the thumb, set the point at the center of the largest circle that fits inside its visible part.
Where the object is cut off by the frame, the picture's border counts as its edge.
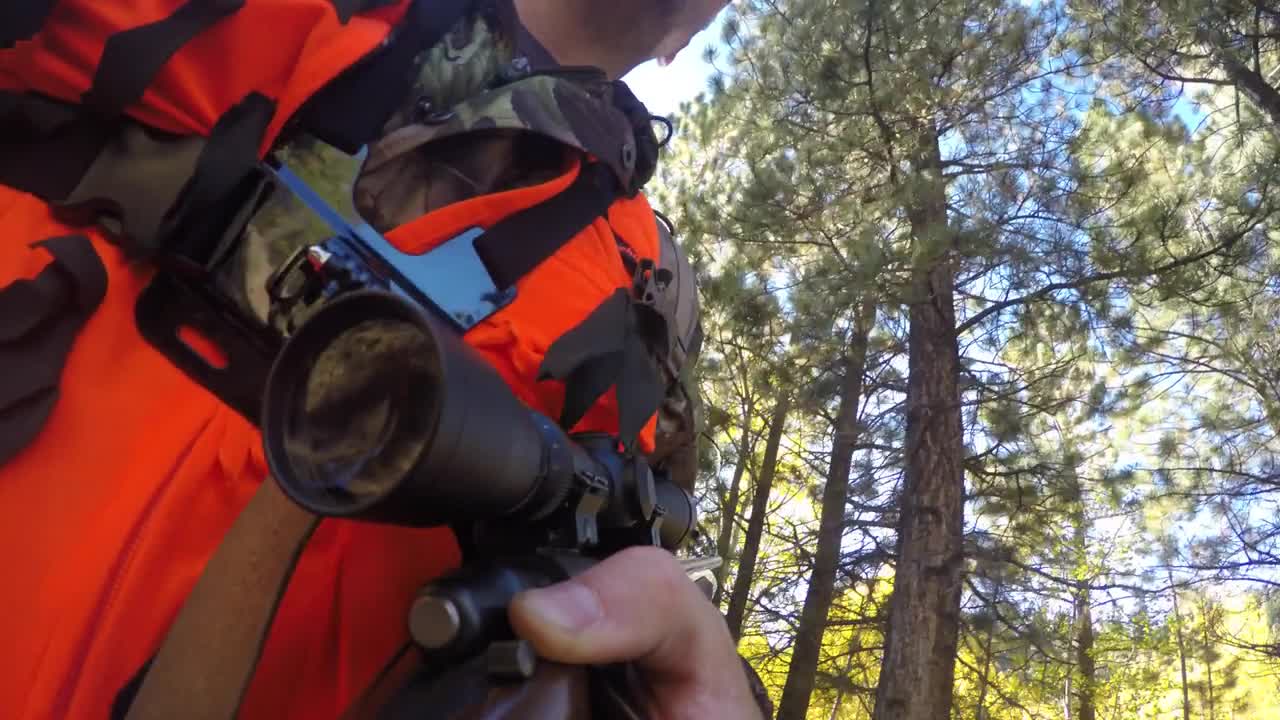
(637, 605)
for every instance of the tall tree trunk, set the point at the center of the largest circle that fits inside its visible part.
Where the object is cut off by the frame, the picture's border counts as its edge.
(984, 680)
(1087, 690)
(848, 671)
(805, 653)
(1182, 650)
(1208, 668)
(1253, 84)
(918, 668)
(729, 510)
(741, 593)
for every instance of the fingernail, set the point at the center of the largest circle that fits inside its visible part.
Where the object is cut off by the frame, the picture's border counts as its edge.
(569, 606)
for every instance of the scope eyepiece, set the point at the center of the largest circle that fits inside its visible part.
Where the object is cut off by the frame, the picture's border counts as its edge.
(376, 410)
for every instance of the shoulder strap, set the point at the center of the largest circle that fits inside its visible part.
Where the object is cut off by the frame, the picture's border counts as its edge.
(151, 192)
(610, 348)
(40, 318)
(381, 82)
(132, 59)
(22, 20)
(204, 666)
(347, 9)
(515, 246)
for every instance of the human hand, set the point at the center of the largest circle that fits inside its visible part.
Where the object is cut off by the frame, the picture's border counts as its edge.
(639, 606)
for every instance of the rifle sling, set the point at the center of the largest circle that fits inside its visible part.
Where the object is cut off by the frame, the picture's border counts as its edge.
(207, 659)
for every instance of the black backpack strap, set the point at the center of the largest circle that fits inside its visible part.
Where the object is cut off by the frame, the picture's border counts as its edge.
(612, 347)
(378, 84)
(347, 9)
(39, 321)
(615, 344)
(22, 19)
(515, 246)
(151, 191)
(225, 189)
(131, 59)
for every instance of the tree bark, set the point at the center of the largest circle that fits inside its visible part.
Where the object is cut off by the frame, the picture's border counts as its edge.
(819, 595)
(741, 593)
(984, 680)
(1087, 690)
(839, 703)
(1208, 668)
(918, 667)
(1182, 651)
(1266, 97)
(729, 511)
(1086, 693)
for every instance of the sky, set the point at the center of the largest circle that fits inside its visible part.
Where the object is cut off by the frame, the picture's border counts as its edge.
(662, 89)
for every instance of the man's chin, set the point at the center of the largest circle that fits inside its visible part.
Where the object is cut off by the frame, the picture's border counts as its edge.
(666, 56)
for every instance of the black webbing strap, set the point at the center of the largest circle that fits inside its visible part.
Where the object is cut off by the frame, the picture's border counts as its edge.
(22, 19)
(381, 82)
(39, 321)
(153, 192)
(221, 194)
(347, 9)
(46, 147)
(131, 59)
(515, 246)
(611, 347)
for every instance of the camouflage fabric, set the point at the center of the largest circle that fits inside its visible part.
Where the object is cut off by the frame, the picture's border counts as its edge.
(480, 119)
(466, 61)
(480, 80)
(420, 166)
(284, 224)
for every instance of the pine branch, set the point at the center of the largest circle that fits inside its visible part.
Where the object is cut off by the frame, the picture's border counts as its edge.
(1097, 278)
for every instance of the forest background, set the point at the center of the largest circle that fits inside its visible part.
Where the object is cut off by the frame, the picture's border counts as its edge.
(990, 379)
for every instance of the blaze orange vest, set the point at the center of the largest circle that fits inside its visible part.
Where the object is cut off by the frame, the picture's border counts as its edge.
(110, 513)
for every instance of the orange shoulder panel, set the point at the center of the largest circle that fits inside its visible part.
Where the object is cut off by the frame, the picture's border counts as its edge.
(120, 501)
(554, 297)
(113, 511)
(126, 493)
(284, 49)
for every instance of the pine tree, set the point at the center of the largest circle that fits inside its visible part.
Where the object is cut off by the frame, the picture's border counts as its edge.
(1043, 241)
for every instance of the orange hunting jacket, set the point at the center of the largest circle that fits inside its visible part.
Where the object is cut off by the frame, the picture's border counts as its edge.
(109, 515)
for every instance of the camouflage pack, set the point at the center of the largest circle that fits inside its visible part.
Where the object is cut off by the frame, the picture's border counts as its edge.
(480, 119)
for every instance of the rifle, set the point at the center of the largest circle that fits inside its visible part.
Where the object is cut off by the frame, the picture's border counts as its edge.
(376, 410)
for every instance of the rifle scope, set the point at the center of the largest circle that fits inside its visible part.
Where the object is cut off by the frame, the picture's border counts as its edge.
(377, 410)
